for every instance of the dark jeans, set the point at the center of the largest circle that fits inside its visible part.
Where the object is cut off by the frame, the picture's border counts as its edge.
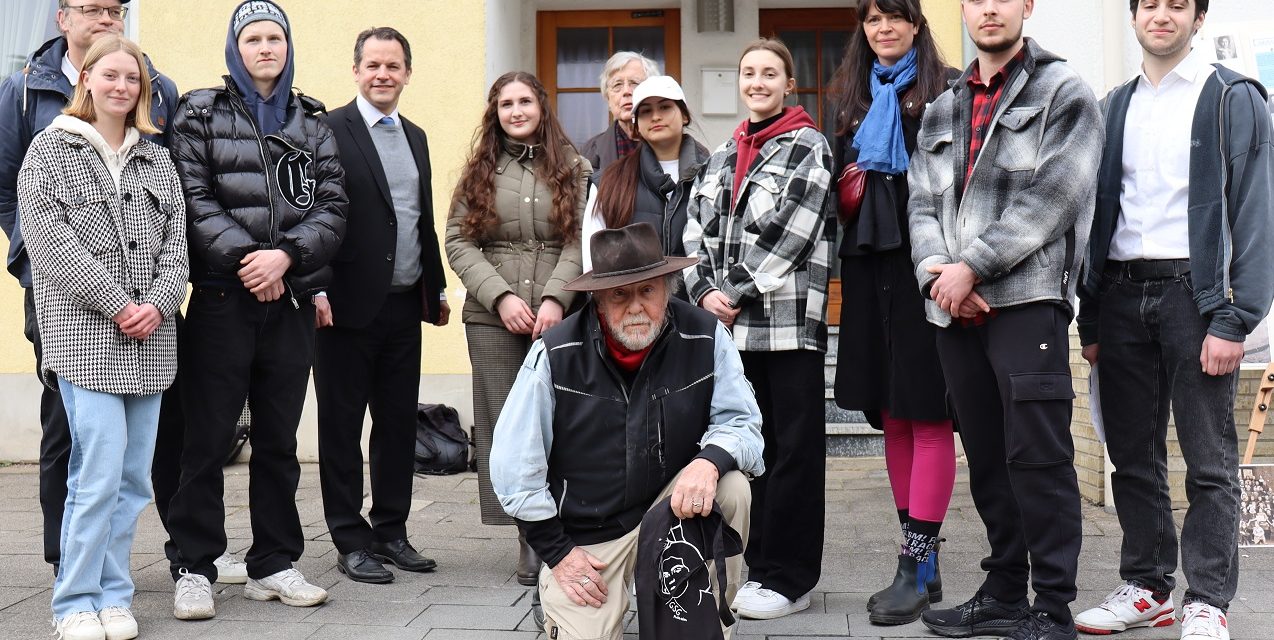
(785, 548)
(376, 366)
(235, 347)
(1010, 385)
(55, 446)
(1150, 335)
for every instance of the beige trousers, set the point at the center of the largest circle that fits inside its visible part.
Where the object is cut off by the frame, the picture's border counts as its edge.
(565, 620)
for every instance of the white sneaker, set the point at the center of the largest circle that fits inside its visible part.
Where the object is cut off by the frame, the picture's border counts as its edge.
(747, 588)
(289, 586)
(230, 570)
(80, 626)
(1127, 607)
(118, 622)
(764, 604)
(192, 599)
(1202, 621)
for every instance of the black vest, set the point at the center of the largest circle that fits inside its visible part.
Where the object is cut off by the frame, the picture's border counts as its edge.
(616, 445)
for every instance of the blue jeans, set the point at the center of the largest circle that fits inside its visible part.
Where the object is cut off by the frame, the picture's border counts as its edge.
(1150, 335)
(108, 486)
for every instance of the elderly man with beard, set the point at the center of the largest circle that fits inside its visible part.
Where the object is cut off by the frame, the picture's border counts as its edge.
(637, 397)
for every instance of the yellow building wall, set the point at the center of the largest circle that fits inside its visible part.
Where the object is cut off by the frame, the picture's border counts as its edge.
(948, 29)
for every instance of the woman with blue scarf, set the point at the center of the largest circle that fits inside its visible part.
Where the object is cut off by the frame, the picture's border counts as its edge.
(887, 359)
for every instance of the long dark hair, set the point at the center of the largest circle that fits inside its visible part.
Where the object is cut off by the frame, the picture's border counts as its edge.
(850, 87)
(617, 188)
(476, 187)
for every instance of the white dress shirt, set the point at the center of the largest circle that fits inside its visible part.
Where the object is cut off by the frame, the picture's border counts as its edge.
(372, 115)
(1154, 198)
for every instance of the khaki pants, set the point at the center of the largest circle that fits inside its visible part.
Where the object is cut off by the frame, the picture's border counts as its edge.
(565, 620)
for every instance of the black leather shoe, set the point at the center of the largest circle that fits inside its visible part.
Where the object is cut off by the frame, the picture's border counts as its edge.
(402, 555)
(933, 586)
(361, 567)
(1042, 626)
(982, 615)
(528, 564)
(902, 602)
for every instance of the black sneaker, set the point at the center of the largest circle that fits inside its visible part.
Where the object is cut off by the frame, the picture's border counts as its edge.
(1041, 626)
(982, 615)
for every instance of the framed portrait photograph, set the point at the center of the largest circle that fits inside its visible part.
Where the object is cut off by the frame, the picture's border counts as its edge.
(1256, 511)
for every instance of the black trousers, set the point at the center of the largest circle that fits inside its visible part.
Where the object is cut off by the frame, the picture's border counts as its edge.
(55, 446)
(785, 547)
(234, 347)
(376, 367)
(1010, 384)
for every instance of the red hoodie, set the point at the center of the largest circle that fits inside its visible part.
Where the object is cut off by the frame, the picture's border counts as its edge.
(750, 145)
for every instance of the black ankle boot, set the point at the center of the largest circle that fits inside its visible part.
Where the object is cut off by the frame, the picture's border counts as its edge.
(933, 587)
(902, 602)
(528, 570)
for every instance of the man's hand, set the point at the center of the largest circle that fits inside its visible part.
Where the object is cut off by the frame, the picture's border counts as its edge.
(1220, 356)
(695, 489)
(550, 314)
(973, 305)
(262, 269)
(322, 312)
(444, 313)
(1090, 354)
(578, 576)
(718, 304)
(270, 293)
(516, 314)
(954, 284)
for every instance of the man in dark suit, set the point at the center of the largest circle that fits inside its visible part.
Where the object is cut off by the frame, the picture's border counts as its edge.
(387, 279)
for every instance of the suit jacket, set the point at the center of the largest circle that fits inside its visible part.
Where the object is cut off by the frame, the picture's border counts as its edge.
(363, 268)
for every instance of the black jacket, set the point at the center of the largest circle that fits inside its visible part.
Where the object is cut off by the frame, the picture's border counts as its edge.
(364, 266)
(1231, 220)
(246, 192)
(662, 201)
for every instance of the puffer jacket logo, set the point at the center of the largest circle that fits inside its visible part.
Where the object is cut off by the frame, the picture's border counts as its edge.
(290, 173)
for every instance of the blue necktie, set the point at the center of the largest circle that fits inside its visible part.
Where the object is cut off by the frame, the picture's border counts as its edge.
(387, 121)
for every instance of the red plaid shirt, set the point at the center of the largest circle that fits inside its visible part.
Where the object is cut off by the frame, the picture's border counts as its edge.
(986, 98)
(623, 144)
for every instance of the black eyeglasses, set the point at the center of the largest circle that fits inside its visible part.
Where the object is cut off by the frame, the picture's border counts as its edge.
(93, 12)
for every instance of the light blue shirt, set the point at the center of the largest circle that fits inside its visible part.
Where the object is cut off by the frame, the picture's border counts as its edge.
(524, 433)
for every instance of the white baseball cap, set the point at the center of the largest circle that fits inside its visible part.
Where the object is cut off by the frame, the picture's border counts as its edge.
(656, 87)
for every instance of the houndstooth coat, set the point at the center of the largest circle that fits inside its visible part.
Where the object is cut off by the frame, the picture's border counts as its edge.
(94, 250)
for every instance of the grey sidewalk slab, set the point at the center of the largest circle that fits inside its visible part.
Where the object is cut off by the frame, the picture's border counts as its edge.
(473, 595)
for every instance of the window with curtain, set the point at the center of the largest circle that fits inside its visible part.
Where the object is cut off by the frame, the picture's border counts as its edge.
(24, 26)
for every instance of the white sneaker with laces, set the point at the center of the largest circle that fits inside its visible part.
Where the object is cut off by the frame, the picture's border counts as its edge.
(83, 625)
(230, 570)
(763, 604)
(1127, 607)
(1202, 621)
(118, 622)
(288, 586)
(192, 599)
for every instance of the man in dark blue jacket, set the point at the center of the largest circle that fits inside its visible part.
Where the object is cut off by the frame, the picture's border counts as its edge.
(29, 100)
(1180, 271)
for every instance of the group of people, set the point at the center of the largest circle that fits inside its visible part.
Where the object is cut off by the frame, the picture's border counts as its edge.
(646, 320)
(1257, 523)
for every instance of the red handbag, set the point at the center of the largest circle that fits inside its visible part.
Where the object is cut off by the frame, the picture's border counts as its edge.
(849, 192)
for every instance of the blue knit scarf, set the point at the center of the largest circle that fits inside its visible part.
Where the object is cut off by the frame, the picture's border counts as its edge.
(880, 143)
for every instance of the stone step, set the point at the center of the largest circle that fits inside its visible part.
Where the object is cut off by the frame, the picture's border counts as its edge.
(854, 440)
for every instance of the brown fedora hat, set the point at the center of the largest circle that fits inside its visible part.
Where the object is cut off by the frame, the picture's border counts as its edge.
(624, 256)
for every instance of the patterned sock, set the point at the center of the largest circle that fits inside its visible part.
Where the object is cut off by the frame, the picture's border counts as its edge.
(921, 538)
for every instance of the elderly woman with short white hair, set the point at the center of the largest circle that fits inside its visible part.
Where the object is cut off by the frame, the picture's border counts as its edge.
(620, 76)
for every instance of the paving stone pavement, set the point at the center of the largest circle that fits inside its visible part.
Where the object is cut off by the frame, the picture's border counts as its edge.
(473, 596)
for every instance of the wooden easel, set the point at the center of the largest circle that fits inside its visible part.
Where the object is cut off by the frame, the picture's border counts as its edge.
(1260, 410)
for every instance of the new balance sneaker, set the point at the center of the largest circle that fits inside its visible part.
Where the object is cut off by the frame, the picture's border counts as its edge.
(192, 599)
(763, 604)
(1202, 621)
(1128, 607)
(83, 625)
(982, 615)
(287, 586)
(118, 622)
(1042, 626)
(230, 570)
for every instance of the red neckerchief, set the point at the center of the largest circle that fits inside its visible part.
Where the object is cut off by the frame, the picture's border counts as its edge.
(625, 358)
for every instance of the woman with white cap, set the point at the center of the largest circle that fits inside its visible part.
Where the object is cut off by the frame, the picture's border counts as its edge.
(652, 184)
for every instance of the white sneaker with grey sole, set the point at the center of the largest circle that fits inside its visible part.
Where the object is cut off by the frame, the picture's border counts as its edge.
(287, 586)
(118, 622)
(192, 599)
(764, 604)
(230, 570)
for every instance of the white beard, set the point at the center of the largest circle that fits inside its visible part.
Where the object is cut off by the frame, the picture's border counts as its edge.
(636, 343)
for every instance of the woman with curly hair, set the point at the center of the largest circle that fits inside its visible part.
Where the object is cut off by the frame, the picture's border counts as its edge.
(513, 239)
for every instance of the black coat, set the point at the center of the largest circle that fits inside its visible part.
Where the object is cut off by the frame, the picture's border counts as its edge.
(364, 267)
(246, 192)
(887, 356)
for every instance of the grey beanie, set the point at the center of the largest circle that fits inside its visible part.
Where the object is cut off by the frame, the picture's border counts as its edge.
(255, 11)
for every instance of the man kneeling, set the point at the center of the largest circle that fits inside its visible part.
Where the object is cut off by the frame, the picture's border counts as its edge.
(637, 397)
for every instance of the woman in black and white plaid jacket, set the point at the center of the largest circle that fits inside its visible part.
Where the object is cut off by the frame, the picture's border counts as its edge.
(758, 220)
(105, 226)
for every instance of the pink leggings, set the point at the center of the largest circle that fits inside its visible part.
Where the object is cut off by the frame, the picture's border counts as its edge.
(920, 456)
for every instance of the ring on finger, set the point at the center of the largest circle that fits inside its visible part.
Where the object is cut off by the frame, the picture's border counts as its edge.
(585, 581)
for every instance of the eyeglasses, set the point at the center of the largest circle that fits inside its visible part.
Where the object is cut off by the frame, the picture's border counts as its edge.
(619, 85)
(93, 12)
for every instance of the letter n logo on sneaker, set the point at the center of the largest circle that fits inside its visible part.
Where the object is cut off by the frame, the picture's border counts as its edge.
(1142, 605)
